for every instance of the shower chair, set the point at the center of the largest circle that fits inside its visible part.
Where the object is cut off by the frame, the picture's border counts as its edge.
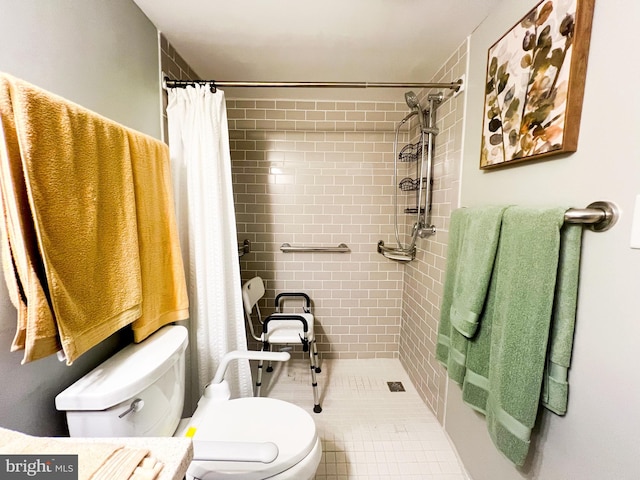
(281, 328)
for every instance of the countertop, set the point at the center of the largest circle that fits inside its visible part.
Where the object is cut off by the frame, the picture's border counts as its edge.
(174, 453)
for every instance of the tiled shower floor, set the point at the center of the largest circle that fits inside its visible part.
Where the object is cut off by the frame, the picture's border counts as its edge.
(367, 431)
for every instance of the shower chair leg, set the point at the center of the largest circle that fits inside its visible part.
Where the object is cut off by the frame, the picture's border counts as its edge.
(265, 348)
(316, 361)
(314, 382)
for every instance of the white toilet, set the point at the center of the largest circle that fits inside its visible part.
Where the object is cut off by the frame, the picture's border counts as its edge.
(139, 392)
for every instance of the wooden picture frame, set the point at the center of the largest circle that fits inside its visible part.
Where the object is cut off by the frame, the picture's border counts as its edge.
(535, 84)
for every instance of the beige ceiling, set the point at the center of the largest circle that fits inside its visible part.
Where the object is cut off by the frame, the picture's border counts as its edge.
(325, 40)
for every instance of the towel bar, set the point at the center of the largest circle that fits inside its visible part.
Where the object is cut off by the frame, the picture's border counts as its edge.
(342, 248)
(598, 216)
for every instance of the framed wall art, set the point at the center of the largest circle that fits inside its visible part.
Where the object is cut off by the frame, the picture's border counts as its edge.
(535, 84)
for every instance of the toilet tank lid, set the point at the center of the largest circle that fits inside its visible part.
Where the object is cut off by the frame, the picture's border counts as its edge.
(127, 373)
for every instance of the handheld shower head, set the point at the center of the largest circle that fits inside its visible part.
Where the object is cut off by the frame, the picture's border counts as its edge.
(411, 99)
(413, 103)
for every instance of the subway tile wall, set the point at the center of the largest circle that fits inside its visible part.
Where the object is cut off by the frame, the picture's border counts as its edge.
(320, 173)
(424, 277)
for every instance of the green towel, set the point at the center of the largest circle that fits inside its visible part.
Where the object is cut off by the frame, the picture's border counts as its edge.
(475, 388)
(555, 388)
(473, 240)
(477, 255)
(452, 359)
(525, 283)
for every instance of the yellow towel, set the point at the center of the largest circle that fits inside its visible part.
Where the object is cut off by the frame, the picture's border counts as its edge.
(96, 461)
(81, 203)
(23, 268)
(164, 289)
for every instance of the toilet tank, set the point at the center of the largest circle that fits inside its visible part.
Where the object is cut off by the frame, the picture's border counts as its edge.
(139, 392)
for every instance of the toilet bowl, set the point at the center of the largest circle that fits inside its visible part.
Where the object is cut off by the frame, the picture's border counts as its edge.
(140, 392)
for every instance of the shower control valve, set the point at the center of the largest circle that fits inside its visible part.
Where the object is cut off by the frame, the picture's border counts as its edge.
(425, 231)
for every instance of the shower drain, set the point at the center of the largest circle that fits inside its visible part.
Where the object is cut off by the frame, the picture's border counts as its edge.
(395, 386)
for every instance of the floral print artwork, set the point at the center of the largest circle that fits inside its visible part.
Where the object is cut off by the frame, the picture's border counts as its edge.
(527, 85)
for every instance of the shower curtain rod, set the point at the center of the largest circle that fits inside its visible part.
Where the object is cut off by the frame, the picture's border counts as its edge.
(167, 83)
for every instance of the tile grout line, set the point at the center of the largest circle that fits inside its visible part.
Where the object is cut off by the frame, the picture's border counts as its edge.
(367, 431)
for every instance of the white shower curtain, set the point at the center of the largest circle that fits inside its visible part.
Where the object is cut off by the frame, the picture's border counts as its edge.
(201, 168)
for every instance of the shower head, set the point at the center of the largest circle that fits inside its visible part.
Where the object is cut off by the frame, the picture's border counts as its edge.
(413, 103)
(411, 99)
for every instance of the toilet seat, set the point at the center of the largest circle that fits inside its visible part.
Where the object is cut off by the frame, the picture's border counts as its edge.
(252, 420)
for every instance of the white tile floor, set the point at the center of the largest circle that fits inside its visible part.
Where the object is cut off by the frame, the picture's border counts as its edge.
(367, 431)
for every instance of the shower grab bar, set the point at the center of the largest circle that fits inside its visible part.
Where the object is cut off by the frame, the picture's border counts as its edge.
(397, 253)
(287, 248)
(244, 248)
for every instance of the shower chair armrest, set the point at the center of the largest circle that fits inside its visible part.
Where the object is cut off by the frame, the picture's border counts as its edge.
(279, 316)
(304, 340)
(284, 295)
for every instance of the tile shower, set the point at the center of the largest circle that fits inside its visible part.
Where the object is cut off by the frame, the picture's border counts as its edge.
(319, 172)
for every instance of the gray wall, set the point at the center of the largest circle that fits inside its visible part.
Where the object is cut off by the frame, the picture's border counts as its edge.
(102, 54)
(598, 438)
